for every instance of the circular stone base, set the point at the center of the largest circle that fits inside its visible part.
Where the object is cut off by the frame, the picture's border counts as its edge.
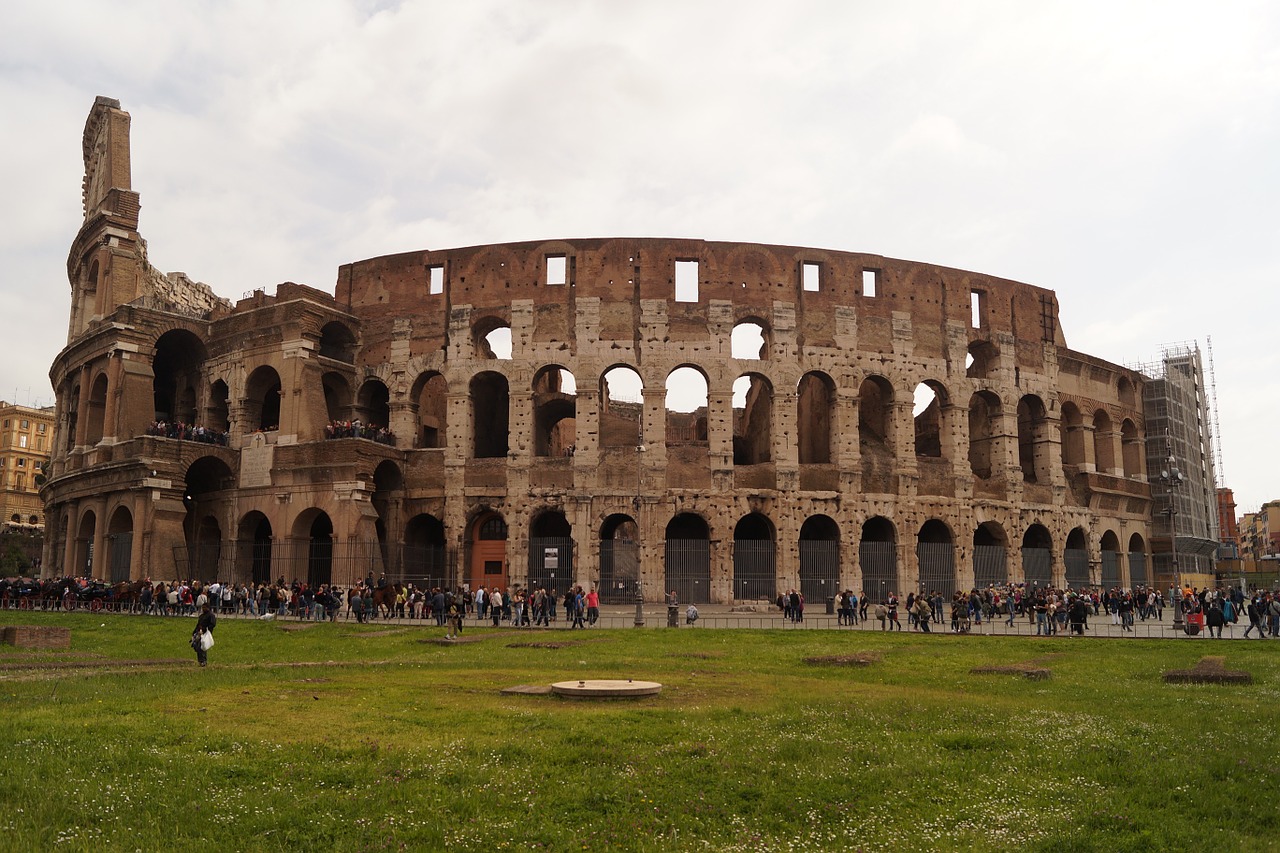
(605, 688)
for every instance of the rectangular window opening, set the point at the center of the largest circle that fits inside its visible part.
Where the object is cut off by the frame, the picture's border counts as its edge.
(870, 282)
(556, 269)
(811, 277)
(436, 279)
(977, 308)
(22, 441)
(686, 281)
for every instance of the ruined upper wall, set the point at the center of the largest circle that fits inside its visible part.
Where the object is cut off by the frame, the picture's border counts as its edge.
(826, 287)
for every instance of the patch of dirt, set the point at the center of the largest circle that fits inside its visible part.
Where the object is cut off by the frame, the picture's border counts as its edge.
(547, 645)
(858, 659)
(1210, 670)
(391, 632)
(297, 626)
(697, 655)
(1028, 670)
(91, 664)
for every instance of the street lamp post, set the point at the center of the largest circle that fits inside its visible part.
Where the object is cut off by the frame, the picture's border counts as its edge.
(1172, 478)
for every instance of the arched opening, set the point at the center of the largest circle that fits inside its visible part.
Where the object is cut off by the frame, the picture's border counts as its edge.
(120, 545)
(492, 338)
(752, 420)
(686, 406)
(1033, 439)
(878, 556)
(819, 558)
(1037, 557)
(388, 492)
(337, 342)
(219, 418)
(1110, 553)
(990, 555)
(550, 552)
(1104, 443)
(373, 405)
(982, 360)
(749, 341)
(1072, 438)
(875, 436)
(754, 559)
(622, 396)
(815, 406)
(936, 556)
(489, 551)
(176, 365)
(1138, 575)
(1125, 392)
(619, 560)
(73, 416)
(1076, 560)
(254, 544)
(262, 399)
(554, 413)
(208, 481)
(490, 412)
(930, 400)
(424, 559)
(432, 394)
(97, 408)
(83, 562)
(337, 399)
(1133, 449)
(984, 428)
(319, 547)
(688, 559)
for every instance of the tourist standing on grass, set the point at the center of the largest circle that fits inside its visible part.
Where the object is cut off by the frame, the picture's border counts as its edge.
(204, 626)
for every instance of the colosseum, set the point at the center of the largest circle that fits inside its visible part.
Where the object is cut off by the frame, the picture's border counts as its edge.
(720, 419)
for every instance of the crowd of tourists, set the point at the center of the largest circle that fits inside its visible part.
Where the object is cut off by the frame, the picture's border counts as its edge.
(359, 429)
(187, 432)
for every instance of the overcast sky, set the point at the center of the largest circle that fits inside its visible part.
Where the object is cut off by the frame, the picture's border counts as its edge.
(1126, 155)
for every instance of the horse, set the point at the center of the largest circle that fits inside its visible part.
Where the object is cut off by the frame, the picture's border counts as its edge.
(128, 592)
(384, 597)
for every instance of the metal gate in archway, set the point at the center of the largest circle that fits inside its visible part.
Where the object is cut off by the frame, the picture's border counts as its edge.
(754, 570)
(1077, 565)
(990, 566)
(1110, 569)
(619, 571)
(551, 563)
(688, 570)
(121, 555)
(819, 569)
(1137, 568)
(879, 561)
(937, 562)
(1037, 567)
(426, 567)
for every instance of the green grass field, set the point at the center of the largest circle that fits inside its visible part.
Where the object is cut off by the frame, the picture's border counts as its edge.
(378, 737)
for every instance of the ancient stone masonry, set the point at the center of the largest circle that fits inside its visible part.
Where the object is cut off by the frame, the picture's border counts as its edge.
(721, 420)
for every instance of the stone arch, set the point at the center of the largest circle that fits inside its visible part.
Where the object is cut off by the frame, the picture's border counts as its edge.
(97, 408)
(1109, 551)
(313, 537)
(1104, 442)
(1073, 455)
(1137, 559)
(1075, 558)
(207, 483)
(688, 558)
(83, 562)
(1132, 449)
(819, 558)
(431, 392)
(254, 538)
(686, 405)
(337, 342)
(752, 420)
(388, 494)
(555, 410)
(754, 559)
(875, 434)
(1033, 438)
(931, 403)
(262, 395)
(337, 396)
(491, 336)
(119, 545)
(936, 558)
(551, 564)
(619, 560)
(219, 408)
(490, 413)
(982, 360)
(878, 556)
(621, 407)
(1126, 393)
(815, 414)
(423, 560)
(1037, 556)
(488, 538)
(990, 555)
(373, 404)
(177, 365)
(984, 431)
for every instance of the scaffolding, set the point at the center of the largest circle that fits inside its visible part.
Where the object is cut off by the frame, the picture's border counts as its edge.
(1179, 424)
